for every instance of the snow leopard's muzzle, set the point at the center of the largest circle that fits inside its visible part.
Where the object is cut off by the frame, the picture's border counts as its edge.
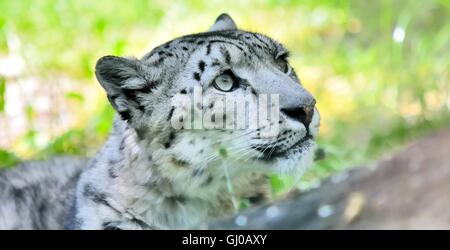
(293, 149)
(297, 136)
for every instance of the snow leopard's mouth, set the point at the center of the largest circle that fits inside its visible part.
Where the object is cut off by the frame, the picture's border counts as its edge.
(274, 152)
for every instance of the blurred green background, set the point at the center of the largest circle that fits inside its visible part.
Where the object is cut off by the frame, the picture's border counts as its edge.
(379, 69)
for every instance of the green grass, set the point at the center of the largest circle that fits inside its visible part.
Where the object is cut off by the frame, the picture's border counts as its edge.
(375, 93)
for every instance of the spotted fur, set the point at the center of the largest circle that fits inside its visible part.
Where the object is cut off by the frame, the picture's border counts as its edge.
(148, 175)
(39, 194)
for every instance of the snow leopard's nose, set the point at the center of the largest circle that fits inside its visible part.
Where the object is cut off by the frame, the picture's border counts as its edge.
(295, 101)
(298, 104)
(303, 113)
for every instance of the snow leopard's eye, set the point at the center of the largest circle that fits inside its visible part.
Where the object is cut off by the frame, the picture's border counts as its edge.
(225, 82)
(282, 61)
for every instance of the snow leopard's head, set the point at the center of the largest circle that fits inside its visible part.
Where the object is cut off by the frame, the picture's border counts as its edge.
(177, 99)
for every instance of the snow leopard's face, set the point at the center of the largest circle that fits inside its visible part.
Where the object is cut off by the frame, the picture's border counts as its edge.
(176, 96)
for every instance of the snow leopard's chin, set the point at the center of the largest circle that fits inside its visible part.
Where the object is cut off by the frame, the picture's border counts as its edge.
(299, 159)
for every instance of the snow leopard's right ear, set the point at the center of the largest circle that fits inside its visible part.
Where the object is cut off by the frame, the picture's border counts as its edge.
(223, 22)
(126, 84)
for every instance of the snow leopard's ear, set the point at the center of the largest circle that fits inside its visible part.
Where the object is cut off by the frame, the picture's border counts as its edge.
(125, 83)
(223, 22)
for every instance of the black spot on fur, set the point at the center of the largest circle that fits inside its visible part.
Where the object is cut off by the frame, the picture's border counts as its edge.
(90, 192)
(201, 66)
(184, 48)
(17, 193)
(227, 55)
(112, 161)
(170, 139)
(178, 162)
(142, 108)
(125, 115)
(183, 91)
(160, 60)
(170, 113)
(112, 172)
(200, 42)
(197, 76)
(208, 49)
(161, 53)
(172, 135)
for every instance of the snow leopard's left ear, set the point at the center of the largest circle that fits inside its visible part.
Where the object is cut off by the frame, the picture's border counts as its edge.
(223, 22)
(126, 84)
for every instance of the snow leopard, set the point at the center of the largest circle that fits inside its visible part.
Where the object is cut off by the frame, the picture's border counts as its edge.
(150, 174)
